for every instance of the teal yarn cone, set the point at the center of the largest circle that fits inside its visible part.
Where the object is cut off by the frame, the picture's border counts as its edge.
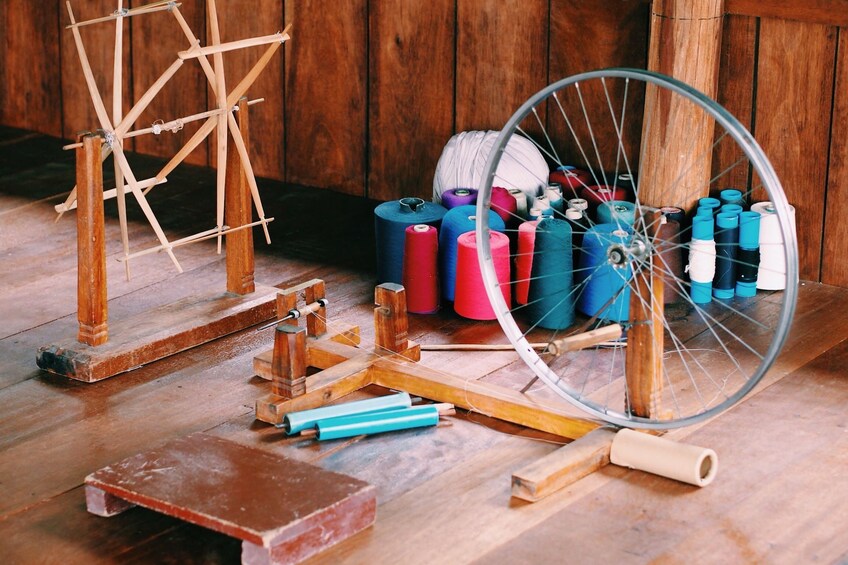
(456, 222)
(390, 222)
(602, 280)
(550, 301)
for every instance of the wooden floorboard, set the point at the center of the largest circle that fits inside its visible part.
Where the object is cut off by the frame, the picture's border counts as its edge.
(443, 493)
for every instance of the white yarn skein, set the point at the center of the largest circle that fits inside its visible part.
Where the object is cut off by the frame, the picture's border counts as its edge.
(463, 161)
(702, 260)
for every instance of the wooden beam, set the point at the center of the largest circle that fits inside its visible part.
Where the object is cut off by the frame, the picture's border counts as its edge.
(828, 12)
(564, 466)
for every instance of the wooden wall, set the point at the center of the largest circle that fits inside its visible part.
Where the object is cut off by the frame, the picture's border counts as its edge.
(368, 91)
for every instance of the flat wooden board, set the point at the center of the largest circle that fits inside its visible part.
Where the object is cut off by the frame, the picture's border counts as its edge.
(152, 335)
(262, 498)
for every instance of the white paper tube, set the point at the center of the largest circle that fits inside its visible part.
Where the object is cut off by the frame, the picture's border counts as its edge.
(653, 454)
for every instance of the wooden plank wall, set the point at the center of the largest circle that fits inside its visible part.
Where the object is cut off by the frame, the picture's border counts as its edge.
(366, 94)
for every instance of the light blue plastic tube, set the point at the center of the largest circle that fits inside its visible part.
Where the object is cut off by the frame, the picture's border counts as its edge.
(295, 422)
(378, 422)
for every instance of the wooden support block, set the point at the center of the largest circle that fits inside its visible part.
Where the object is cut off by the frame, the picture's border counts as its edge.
(239, 212)
(564, 466)
(158, 333)
(288, 364)
(321, 353)
(391, 325)
(104, 504)
(283, 510)
(91, 245)
(321, 388)
(286, 302)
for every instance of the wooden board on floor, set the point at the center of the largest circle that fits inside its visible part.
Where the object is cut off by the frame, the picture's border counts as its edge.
(150, 336)
(242, 492)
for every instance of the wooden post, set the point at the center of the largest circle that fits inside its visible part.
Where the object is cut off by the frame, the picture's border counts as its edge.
(316, 322)
(288, 367)
(685, 43)
(677, 141)
(239, 212)
(91, 244)
(643, 360)
(391, 325)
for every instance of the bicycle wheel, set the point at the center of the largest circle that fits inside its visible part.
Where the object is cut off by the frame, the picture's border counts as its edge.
(689, 348)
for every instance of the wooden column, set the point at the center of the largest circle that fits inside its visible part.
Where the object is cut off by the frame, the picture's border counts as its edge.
(391, 324)
(677, 141)
(239, 212)
(288, 367)
(643, 360)
(91, 244)
(685, 43)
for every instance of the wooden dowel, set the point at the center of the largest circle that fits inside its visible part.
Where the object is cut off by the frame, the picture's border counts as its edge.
(538, 346)
(585, 339)
(240, 260)
(217, 49)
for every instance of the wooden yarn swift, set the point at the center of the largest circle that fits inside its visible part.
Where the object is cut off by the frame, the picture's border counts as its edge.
(117, 127)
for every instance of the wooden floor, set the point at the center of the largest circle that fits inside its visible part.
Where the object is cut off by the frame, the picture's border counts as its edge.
(781, 495)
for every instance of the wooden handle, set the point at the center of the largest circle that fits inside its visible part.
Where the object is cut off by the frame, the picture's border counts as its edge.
(585, 339)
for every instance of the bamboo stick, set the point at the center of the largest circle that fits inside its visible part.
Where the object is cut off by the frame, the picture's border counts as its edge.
(201, 236)
(146, 9)
(111, 193)
(538, 346)
(217, 49)
(221, 96)
(117, 115)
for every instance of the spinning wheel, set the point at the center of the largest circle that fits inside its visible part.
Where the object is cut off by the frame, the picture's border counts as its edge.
(679, 360)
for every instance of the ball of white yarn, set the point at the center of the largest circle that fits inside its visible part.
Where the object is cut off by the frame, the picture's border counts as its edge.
(464, 158)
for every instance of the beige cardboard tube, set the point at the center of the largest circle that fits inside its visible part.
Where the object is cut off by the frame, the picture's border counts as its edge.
(653, 454)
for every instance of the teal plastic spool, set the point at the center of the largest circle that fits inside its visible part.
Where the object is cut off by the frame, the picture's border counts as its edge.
(295, 422)
(730, 209)
(749, 239)
(378, 422)
(602, 280)
(616, 212)
(711, 204)
(732, 196)
(702, 228)
(550, 301)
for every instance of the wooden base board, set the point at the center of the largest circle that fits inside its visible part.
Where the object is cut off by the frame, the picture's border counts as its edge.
(283, 510)
(153, 335)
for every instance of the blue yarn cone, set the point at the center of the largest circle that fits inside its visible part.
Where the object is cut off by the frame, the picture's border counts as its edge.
(390, 222)
(602, 280)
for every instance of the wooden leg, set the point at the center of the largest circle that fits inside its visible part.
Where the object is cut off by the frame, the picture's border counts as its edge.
(91, 245)
(240, 260)
(102, 503)
(391, 324)
(289, 362)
